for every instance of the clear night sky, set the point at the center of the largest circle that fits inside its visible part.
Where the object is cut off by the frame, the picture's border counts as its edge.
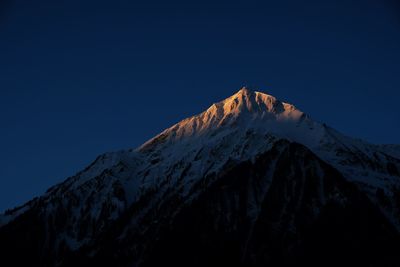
(79, 78)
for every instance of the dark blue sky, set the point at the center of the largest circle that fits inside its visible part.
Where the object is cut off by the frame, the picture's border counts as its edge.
(79, 78)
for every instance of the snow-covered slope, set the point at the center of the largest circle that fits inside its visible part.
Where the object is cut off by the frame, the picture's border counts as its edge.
(131, 188)
(249, 116)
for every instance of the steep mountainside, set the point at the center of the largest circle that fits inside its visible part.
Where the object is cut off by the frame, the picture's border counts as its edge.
(251, 181)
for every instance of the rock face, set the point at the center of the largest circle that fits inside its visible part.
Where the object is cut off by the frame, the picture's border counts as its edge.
(251, 181)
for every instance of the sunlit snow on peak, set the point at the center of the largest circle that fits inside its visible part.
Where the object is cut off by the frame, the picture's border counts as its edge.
(246, 109)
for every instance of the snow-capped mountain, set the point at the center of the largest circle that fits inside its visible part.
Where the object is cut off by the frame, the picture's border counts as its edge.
(251, 181)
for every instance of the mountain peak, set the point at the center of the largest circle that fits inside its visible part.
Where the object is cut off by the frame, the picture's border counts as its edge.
(245, 91)
(257, 103)
(244, 109)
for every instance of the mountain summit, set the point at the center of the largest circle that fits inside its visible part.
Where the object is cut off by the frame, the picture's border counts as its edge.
(251, 181)
(244, 106)
(251, 102)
